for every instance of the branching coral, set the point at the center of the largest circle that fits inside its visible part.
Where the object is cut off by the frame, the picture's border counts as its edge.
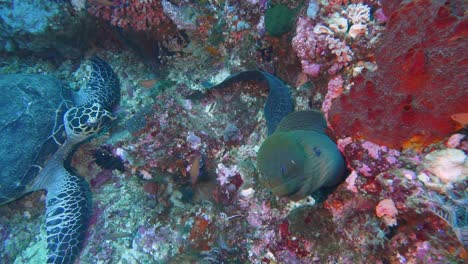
(358, 13)
(318, 49)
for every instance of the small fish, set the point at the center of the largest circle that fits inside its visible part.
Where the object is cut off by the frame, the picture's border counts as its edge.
(115, 236)
(148, 83)
(213, 51)
(301, 79)
(196, 169)
(105, 2)
(461, 118)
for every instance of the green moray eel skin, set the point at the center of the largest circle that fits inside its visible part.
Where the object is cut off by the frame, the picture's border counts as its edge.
(279, 102)
(299, 158)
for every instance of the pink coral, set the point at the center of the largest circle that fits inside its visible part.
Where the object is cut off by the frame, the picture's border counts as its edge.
(318, 50)
(133, 14)
(225, 174)
(311, 69)
(335, 88)
(351, 182)
(373, 149)
(367, 158)
(380, 16)
(387, 211)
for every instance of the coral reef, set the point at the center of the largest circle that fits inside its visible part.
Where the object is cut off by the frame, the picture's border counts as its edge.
(279, 19)
(132, 14)
(314, 44)
(179, 177)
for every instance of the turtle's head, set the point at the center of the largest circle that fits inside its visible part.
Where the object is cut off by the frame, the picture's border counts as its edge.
(84, 121)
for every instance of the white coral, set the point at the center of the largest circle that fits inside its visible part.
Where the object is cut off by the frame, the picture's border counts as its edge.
(358, 13)
(357, 30)
(225, 174)
(449, 165)
(337, 23)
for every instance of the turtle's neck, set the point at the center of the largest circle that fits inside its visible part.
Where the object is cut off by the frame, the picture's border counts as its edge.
(48, 173)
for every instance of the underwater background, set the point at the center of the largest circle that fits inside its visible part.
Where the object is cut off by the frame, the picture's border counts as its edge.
(254, 131)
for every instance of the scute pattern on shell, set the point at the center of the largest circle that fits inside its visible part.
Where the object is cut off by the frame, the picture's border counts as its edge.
(32, 110)
(100, 85)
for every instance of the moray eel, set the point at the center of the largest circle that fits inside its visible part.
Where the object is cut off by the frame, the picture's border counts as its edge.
(279, 102)
(299, 158)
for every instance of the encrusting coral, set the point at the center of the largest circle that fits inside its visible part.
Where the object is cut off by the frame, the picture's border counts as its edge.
(314, 45)
(416, 87)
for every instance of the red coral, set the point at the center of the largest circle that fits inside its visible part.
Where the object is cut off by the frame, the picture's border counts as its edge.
(420, 82)
(390, 6)
(131, 14)
(201, 235)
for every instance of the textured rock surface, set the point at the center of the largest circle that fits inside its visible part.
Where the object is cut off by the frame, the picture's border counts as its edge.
(51, 27)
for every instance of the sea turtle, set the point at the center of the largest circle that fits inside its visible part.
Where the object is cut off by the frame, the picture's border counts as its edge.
(38, 132)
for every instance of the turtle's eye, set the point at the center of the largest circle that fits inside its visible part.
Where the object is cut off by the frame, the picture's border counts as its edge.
(92, 121)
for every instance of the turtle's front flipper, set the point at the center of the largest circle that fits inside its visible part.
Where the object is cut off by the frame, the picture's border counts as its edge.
(68, 210)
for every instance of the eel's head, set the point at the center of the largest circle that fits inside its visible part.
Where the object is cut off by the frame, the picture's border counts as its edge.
(299, 158)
